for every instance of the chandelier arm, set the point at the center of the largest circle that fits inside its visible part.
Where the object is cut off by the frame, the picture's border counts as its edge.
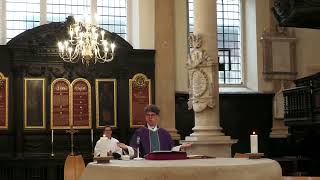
(98, 52)
(104, 58)
(67, 58)
(75, 54)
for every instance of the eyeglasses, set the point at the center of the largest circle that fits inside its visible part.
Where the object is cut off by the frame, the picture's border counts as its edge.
(150, 114)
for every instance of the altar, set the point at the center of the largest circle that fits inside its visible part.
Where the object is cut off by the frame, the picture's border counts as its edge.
(191, 169)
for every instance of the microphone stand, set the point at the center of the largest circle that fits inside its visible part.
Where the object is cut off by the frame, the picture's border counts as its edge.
(138, 149)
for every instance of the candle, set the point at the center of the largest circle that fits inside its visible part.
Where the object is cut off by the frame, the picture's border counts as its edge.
(91, 135)
(51, 135)
(254, 143)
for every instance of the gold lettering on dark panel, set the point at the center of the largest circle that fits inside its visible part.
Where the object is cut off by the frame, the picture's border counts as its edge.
(81, 103)
(60, 104)
(3, 102)
(140, 96)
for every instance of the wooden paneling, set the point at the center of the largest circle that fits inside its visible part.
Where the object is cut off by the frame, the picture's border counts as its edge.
(26, 153)
(240, 114)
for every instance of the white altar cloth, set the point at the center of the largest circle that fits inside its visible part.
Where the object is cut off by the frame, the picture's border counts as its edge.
(191, 169)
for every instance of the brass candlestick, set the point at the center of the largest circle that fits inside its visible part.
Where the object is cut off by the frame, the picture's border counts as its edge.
(52, 143)
(72, 131)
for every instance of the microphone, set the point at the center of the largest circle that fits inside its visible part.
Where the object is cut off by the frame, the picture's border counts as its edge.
(138, 140)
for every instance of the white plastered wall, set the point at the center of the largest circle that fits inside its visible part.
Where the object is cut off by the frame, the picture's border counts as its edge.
(308, 51)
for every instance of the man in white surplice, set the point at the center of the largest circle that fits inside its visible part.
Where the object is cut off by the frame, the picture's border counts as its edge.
(107, 145)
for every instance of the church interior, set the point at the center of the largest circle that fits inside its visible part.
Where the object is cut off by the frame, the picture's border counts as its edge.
(261, 77)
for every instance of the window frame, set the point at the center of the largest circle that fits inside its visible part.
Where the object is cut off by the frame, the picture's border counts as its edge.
(44, 20)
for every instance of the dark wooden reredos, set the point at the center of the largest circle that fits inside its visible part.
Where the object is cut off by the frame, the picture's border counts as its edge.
(25, 153)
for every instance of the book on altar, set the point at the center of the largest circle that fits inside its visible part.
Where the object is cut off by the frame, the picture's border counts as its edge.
(198, 156)
(166, 155)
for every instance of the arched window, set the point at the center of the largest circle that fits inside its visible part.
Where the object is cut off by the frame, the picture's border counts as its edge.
(228, 39)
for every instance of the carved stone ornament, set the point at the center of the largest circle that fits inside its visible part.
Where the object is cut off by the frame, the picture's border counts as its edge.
(278, 101)
(200, 70)
(198, 56)
(200, 83)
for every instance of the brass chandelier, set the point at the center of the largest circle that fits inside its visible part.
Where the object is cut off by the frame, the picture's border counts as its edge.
(87, 43)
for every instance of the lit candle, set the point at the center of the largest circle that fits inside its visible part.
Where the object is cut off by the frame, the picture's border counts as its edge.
(254, 143)
(102, 35)
(71, 33)
(91, 135)
(51, 135)
(70, 51)
(112, 47)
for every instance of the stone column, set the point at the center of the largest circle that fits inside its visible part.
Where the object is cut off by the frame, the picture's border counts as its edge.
(165, 64)
(204, 86)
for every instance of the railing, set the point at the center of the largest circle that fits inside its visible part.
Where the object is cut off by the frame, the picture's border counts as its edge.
(298, 104)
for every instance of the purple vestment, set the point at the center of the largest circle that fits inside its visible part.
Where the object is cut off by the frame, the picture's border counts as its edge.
(165, 140)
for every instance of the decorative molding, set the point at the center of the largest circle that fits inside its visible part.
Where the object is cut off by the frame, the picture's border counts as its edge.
(4, 95)
(60, 103)
(106, 102)
(139, 97)
(198, 56)
(81, 103)
(200, 83)
(278, 102)
(201, 68)
(279, 59)
(35, 103)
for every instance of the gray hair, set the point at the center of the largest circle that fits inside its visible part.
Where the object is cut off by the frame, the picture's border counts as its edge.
(152, 108)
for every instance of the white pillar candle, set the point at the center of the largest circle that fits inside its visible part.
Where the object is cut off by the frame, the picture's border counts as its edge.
(254, 143)
(51, 135)
(91, 135)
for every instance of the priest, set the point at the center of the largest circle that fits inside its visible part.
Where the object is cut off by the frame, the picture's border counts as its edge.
(152, 137)
(107, 145)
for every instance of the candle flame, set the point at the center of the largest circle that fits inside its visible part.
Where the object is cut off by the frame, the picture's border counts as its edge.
(254, 132)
